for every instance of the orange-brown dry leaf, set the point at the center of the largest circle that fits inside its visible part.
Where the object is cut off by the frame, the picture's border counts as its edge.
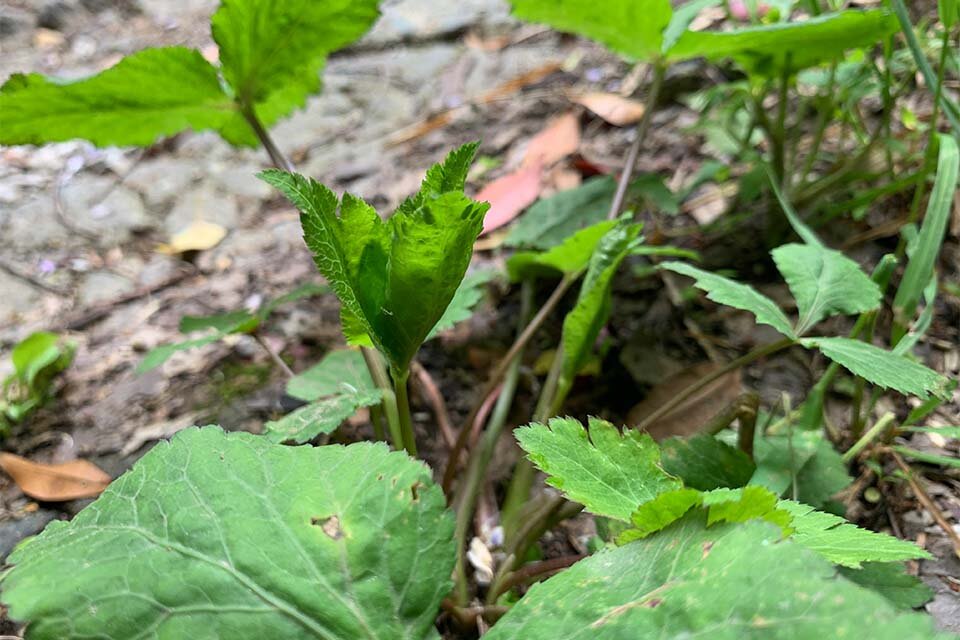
(559, 139)
(690, 416)
(55, 482)
(509, 195)
(616, 110)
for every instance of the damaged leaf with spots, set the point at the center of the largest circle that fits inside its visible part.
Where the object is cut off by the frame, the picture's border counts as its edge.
(225, 535)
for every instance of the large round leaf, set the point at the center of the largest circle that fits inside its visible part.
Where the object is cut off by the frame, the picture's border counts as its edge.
(216, 535)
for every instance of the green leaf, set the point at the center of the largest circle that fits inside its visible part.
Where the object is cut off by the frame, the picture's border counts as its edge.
(569, 257)
(306, 290)
(945, 432)
(272, 52)
(824, 283)
(768, 49)
(322, 416)
(33, 354)
(583, 324)
(822, 476)
(633, 28)
(550, 221)
(842, 542)
(930, 458)
(609, 472)
(890, 580)
(881, 367)
(659, 513)
(727, 581)
(949, 11)
(737, 295)
(394, 279)
(743, 505)
(468, 295)
(340, 368)
(920, 268)
(705, 463)
(781, 457)
(217, 535)
(158, 355)
(147, 95)
(225, 323)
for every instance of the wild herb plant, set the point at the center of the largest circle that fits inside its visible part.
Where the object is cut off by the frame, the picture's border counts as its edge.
(37, 360)
(232, 535)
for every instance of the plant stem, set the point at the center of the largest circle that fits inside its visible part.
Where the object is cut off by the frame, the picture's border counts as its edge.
(276, 155)
(950, 109)
(650, 104)
(552, 396)
(478, 463)
(403, 409)
(277, 360)
(498, 373)
(872, 434)
(780, 132)
(742, 361)
(928, 502)
(536, 570)
(389, 403)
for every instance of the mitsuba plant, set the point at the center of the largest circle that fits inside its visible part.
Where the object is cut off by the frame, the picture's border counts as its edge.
(232, 535)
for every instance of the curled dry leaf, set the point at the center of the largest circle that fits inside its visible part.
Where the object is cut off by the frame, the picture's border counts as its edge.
(509, 195)
(688, 418)
(55, 482)
(559, 139)
(616, 110)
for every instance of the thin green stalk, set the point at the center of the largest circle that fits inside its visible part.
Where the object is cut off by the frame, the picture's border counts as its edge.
(453, 463)
(276, 155)
(822, 122)
(950, 109)
(874, 432)
(928, 156)
(742, 361)
(403, 409)
(650, 104)
(780, 138)
(552, 397)
(477, 467)
(389, 403)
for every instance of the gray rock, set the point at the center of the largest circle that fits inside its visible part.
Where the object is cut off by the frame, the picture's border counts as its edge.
(34, 225)
(13, 531)
(16, 297)
(409, 19)
(161, 179)
(102, 286)
(13, 21)
(99, 205)
(55, 15)
(241, 180)
(202, 203)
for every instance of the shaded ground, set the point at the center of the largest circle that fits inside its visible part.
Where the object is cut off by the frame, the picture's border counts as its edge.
(81, 227)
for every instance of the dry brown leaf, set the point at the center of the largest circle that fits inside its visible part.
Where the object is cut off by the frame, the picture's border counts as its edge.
(615, 109)
(709, 202)
(509, 195)
(197, 236)
(690, 416)
(55, 482)
(559, 138)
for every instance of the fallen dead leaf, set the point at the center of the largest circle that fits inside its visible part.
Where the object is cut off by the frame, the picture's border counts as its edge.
(509, 195)
(55, 482)
(559, 139)
(615, 109)
(688, 418)
(709, 202)
(197, 236)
